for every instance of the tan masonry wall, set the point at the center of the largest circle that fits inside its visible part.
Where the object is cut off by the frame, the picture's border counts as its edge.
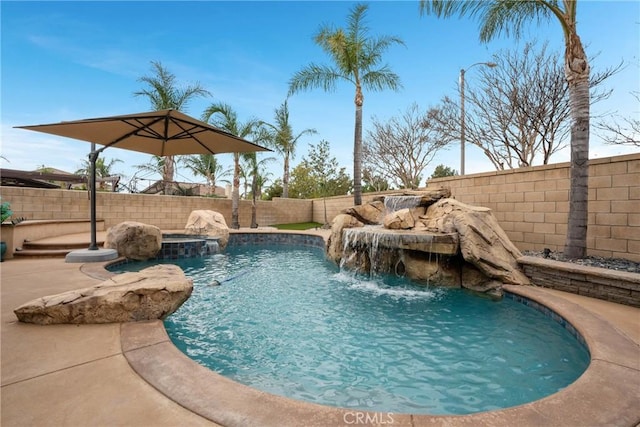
(165, 212)
(532, 204)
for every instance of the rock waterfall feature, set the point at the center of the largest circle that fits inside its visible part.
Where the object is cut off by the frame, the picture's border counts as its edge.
(429, 238)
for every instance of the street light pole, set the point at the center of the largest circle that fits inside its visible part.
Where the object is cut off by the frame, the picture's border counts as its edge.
(462, 126)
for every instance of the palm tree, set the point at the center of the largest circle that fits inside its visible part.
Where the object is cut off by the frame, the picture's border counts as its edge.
(207, 165)
(356, 57)
(163, 94)
(254, 169)
(103, 169)
(510, 16)
(280, 137)
(223, 116)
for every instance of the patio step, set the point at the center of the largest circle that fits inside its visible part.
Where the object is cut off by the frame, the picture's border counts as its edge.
(57, 247)
(41, 253)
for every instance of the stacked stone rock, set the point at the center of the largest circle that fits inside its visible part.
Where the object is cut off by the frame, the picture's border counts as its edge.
(486, 258)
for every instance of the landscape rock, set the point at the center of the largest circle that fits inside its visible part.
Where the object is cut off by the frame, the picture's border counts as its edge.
(152, 293)
(204, 222)
(335, 243)
(455, 244)
(483, 242)
(431, 269)
(425, 197)
(369, 213)
(404, 219)
(134, 240)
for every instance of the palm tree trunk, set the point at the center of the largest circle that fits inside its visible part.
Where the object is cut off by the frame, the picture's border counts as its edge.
(167, 174)
(326, 221)
(285, 177)
(254, 186)
(210, 183)
(357, 150)
(577, 71)
(235, 193)
(576, 242)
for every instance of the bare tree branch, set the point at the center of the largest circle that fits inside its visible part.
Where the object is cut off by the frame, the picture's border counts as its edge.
(627, 133)
(403, 147)
(518, 112)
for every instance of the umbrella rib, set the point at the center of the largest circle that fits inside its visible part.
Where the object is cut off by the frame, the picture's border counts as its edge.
(188, 133)
(133, 132)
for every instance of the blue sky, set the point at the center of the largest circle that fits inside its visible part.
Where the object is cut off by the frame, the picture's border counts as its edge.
(75, 60)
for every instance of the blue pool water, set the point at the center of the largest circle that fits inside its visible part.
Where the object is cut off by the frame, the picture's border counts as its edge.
(287, 321)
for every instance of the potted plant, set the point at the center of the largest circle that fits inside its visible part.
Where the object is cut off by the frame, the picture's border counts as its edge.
(5, 214)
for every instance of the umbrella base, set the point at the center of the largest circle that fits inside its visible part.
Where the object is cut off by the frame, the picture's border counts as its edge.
(86, 255)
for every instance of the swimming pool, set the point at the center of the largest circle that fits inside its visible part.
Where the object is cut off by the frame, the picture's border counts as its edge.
(328, 337)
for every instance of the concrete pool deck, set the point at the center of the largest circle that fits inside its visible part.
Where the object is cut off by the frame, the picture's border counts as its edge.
(131, 375)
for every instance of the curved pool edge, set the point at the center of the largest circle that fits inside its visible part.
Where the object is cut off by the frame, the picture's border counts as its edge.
(605, 394)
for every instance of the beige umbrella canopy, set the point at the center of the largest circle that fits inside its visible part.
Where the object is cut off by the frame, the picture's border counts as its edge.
(161, 133)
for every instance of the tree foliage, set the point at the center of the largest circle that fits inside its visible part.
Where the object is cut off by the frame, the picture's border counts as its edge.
(207, 166)
(442, 171)
(401, 148)
(163, 92)
(274, 190)
(372, 181)
(104, 169)
(279, 136)
(225, 117)
(319, 175)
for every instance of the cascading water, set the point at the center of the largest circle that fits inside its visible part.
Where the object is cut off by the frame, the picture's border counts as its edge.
(395, 203)
(370, 250)
(375, 250)
(212, 246)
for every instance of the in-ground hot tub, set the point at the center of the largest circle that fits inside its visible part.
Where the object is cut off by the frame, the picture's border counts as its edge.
(176, 246)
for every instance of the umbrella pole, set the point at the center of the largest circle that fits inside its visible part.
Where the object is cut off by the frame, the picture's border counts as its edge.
(93, 156)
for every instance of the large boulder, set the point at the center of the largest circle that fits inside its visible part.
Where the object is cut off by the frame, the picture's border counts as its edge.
(152, 293)
(429, 269)
(335, 243)
(403, 219)
(204, 222)
(134, 240)
(369, 213)
(483, 242)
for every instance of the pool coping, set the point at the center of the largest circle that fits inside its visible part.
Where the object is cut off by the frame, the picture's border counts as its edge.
(605, 394)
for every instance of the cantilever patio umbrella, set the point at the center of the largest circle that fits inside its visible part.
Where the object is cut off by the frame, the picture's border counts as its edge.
(161, 133)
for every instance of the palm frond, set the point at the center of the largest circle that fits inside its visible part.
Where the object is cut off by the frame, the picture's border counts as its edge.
(378, 80)
(508, 17)
(162, 92)
(447, 8)
(315, 76)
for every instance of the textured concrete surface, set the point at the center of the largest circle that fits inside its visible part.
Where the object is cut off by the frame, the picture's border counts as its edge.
(131, 375)
(70, 375)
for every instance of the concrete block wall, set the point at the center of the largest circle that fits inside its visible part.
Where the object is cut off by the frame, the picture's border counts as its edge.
(165, 212)
(532, 204)
(609, 285)
(334, 205)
